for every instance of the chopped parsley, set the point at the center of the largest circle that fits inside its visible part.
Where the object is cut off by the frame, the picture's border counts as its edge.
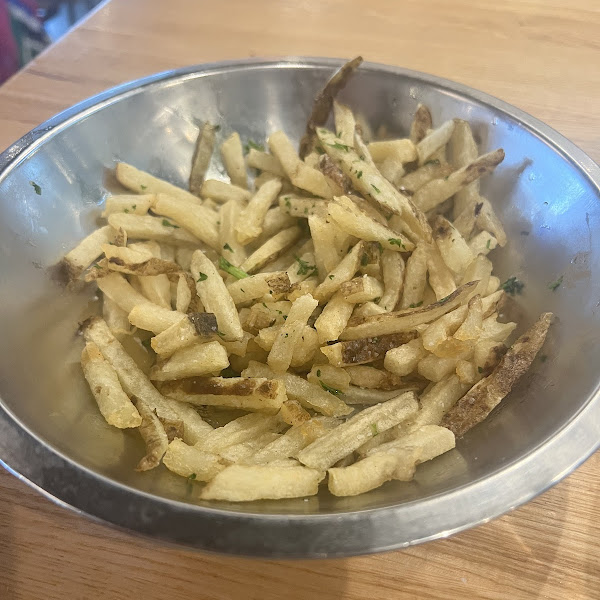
(304, 268)
(36, 187)
(374, 429)
(287, 202)
(217, 128)
(169, 224)
(125, 210)
(225, 265)
(143, 187)
(318, 372)
(379, 247)
(376, 188)
(227, 247)
(252, 145)
(320, 150)
(339, 146)
(286, 335)
(330, 389)
(397, 242)
(416, 304)
(134, 206)
(192, 476)
(358, 174)
(488, 244)
(265, 306)
(512, 286)
(331, 276)
(555, 284)
(202, 277)
(220, 334)
(97, 267)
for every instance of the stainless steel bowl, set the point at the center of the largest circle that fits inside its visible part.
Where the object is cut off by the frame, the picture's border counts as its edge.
(51, 435)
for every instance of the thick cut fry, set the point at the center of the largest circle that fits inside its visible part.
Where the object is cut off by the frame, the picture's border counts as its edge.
(483, 397)
(323, 234)
(196, 327)
(479, 270)
(403, 150)
(233, 159)
(327, 450)
(146, 227)
(421, 124)
(453, 248)
(361, 289)
(154, 436)
(87, 251)
(113, 402)
(198, 220)
(188, 461)
(364, 475)
(438, 190)
(299, 173)
(333, 319)
(156, 288)
(351, 219)
(332, 377)
(129, 203)
(118, 289)
(203, 150)
(194, 427)
(435, 368)
(280, 356)
(244, 483)
(276, 220)
(223, 192)
(415, 278)
(264, 162)
(249, 223)
(192, 361)
(154, 318)
(441, 279)
(404, 359)
(345, 124)
(437, 402)
(215, 297)
(271, 249)
(141, 182)
(434, 141)
(254, 395)
(372, 378)
(309, 395)
(470, 328)
(407, 319)
(323, 102)
(365, 350)
(392, 270)
(432, 169)
(343, 272)
(368, 180)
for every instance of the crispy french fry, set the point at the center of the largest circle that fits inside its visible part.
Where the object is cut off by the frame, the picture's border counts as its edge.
(361, 289)
(343, 272)
(87, 251)
(141, 182)
(332, 377)
(190, 462)
(404, 359)
(264, 162)
(482, 243)
(334, 318)
(341, 441)
(154, 318)
(154, 436)
(392, 267)
(203, 150)
(183, 295)
(323, 233)
(232, 250)
(254, 395)
(195, 360)
(421, 124)
(371, 378)
(271, 249)
(453, 248)
(196, 327)
(292, 413)
(403, 150)
(249, 223)
(365, 396)
(433, 141)
(223, 192)
(256, 286)
(486, 219)
(115, 317)
(146, 227)
(239, 453)
(463, 151)
(117, 288)
(435, 368)
(233, 159)
(345, 124)
(415, 278)
(129, 203)
(365, 475)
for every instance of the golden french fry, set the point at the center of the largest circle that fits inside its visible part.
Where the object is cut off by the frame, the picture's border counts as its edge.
(404, 359)
(87, 251)
(264, 162)
(332, 377)
(223, 192)
(271, 249)
(129, 203)
(154, 436)
(301, 206)
(233, 159)
(292, 413)
(249, 223)
(392, 268)
(434, 140)
(190, 462)
(333, 319)
(146, 227)
(191, 361)
(343, 272)
(203, 150)
(421, 124)
(371, 378)
(453, 248)
(365, 475)
(403, 150)
(345, 124)
(154, 318)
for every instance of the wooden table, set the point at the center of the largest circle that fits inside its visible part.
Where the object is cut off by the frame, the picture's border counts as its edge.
(541, 55)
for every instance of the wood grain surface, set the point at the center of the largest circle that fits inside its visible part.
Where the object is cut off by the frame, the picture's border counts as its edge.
(540, 55)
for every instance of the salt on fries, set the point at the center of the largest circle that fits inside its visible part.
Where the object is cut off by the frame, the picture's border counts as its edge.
(337, 320)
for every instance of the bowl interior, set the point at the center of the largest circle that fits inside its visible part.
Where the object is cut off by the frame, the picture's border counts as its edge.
(548, 204)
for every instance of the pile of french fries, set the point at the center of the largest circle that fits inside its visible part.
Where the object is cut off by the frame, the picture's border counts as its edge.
(335, 321)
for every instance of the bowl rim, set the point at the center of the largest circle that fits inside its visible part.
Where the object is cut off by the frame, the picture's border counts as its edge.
(79, 488)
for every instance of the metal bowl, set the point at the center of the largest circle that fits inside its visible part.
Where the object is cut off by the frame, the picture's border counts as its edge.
(51, 435)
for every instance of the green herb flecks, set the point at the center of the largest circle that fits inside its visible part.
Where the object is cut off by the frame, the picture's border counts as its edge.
(331, 390)
(512, 286)
(358, 174)
(143, 187)
(555, 284)
(305, 268)
(227, 247)
(374, 429)
(488, 244)
(376, 188)
(364, 260)
(169, 224)
(252, 145)
(397, 242)
(36, 187)
(226, 266)
(318, 372)
(202, 277)
(339, 146)
(416, 304)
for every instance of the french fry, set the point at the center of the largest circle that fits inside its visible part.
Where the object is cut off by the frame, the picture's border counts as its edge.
(415, 278)
(407, 319)
(403, 150)
(343, 272)
(141, 182)
(322, 234)
(196, 327)
(404, 359)
(482, 243)
(433, 141)
(215, 297)
(154, 436)
(466, 372)
(195, 360)
(421, 124)
(463, 151)
(244, 483)
(183, 295)
(334, 318)
(309, 395)
(115, 317)
(249, 223)
(345, 124)
(264, 162)
(483, 397)
(117, 288)
(302, 206)
(194, 427)
(241, 452)
(332, 377)
(487, 354)
(146, 227)
(493, 285)
(392, 169)
(366, 179)
(344, 439)
(364, 396)
(87, 251)
(368, 309)
(190, 462)
(133, 262)
(435, 368)
(470, 329)
(479, 270)
(136, 204)
(113, 402)
(453, 248)
(363, 476)
(292, 413)
(392, 267)
(351, 219)
(487, 220)
(361, 289)
(276, 220)
(441, 279)
(299, 173)
(371, 378)
(231, 249)
(198, 220)
(254, 395)
(223, 192)
(365, 350)
(493, 330)
(256, 286)
(280, 356)
(154, 318)
(233, 159)
(271, 249)
(338, 182)
(431, 170)
(203, 150)
(436, 191)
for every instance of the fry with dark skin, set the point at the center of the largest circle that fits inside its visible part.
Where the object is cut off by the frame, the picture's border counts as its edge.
(483, 397)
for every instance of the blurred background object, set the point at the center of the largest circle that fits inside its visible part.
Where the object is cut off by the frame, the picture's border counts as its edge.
(29, 26)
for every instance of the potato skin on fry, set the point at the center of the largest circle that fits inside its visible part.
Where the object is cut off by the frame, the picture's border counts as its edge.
(483, 397)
